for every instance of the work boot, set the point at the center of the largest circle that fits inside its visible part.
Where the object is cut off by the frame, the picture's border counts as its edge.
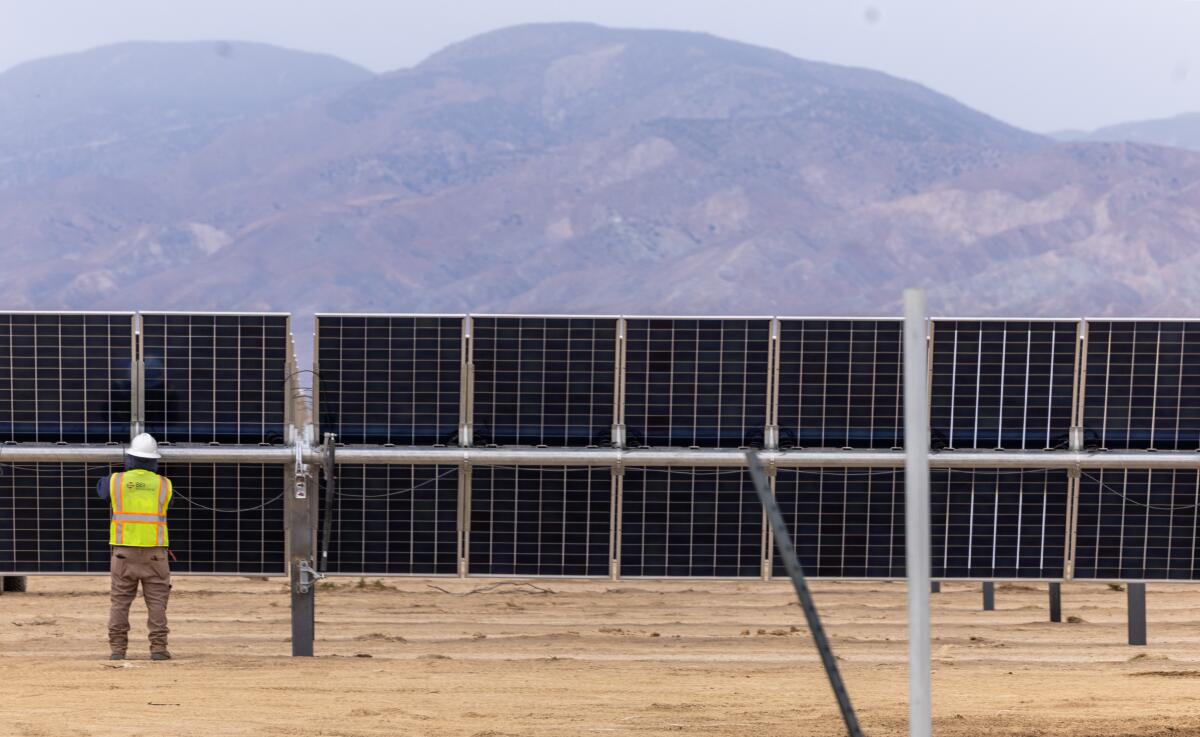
(164, 655)
(117, 656)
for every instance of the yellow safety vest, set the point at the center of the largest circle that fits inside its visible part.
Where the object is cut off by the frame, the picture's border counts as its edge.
(139, 500)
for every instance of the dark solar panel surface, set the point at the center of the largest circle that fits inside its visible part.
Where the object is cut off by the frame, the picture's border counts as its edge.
(51, 520)
(222, 519)
(1142, 389)
(992, 523)
(692, 382)
(543, 381)
(227, 518)
(540, 521)
(1002, 384)
(389, 380)
(215, 378)
(690, 522)
(1138, 524)
(841, 384)
(844, 522)
(395, 520)
(65, 377)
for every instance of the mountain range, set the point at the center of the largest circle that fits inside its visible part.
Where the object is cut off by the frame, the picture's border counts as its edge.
(566, 168)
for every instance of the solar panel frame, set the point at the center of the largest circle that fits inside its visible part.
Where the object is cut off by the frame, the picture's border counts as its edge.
(504, 387)
(1101, 377)
(650, 424)
(443, 426)
(92, 398)
(1137, 525)
(381, 499)
(984, 418)
(730, 530)
(793, 382)
(249, 416)
(523, 521)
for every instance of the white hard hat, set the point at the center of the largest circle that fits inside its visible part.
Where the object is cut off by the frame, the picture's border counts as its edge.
(143, 446)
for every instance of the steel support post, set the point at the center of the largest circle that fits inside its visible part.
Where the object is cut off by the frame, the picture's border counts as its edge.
(916, 494)
(989, 596)
(935, 587)
(1055, 602)
(1136, 596)
(301, 517)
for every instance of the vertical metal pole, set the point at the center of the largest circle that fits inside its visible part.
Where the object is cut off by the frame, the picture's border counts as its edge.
(330, 469)
(916, 503)
(1055, 602)
(989, 596)
(300, 541)
(1136, 595)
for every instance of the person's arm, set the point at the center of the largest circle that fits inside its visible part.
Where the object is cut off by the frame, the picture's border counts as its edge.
(102, 487)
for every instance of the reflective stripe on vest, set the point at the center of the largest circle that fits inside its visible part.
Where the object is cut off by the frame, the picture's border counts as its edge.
(139, 509)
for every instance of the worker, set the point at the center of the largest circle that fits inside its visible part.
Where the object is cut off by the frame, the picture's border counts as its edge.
(139, 498)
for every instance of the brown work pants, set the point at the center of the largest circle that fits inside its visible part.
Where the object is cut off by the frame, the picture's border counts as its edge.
(151, 568)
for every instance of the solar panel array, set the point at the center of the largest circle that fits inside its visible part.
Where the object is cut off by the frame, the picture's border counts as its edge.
(841, 384)
(1002, 384)
(217, 378)
(543, 380)
(571, 381)
(389, 380)
(66, 377)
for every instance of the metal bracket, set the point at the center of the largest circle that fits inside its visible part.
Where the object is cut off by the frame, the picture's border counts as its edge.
(308, 577)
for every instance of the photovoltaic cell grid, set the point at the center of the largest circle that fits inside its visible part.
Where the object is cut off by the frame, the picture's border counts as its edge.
(841, 384)
(701, 522)
(215, 378)
(540, 521)
(1142, 389)
(389, 380)
(844, 522)
(1002, 384)
(543, 381)
(998, 523)
(226, 518)
(395, 520)
(696, 383)
(1138, 524)
(223, 518)
(51, 520)
(65, 378)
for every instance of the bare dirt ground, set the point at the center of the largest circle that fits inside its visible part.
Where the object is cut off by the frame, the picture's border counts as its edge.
(400, 657)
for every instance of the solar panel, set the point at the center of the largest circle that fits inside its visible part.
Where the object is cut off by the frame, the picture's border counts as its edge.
(543, 380)
(844, 522)
(223, 519)
(227, 518)
(1142, 386)
(65, 377)
(389, 379)
(696, 382)
(998, 523)
(1004, 384)
(51, 520)
(840, 383)
(540, 521)
(1138, 524)
(395, 520)
(690, 522)
(215, 378)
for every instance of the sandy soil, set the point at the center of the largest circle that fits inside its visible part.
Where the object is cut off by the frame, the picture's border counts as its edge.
(399, 657)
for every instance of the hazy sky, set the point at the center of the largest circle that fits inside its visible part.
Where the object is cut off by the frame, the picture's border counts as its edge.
(1041, 64)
